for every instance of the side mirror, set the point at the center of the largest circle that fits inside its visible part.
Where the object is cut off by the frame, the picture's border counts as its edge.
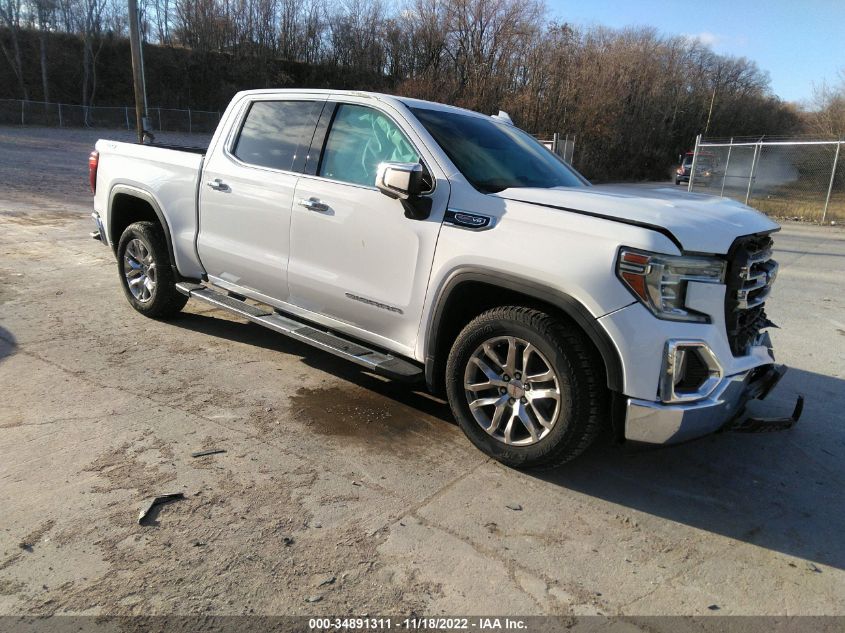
(399, 180)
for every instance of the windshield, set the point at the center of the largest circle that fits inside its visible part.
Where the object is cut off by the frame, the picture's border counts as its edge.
(703, 161)
(495, 156)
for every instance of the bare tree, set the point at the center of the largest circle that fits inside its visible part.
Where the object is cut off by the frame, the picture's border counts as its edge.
(203, 24)
(44, 14)
(67, 12)
(162, 10)
(10, 15)
(355, 31)
(91, 23)
(827, 120)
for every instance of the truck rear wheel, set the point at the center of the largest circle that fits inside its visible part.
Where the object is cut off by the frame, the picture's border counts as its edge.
(145, 273)
(526, 388)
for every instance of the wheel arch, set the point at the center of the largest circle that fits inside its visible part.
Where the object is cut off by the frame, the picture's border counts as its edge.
(128, 204)
(468, 292)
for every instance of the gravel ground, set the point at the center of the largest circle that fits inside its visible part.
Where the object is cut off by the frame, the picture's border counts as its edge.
(344, 493)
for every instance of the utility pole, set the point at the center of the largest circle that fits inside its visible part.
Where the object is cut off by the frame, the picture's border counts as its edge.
(710, 111)
(137, 69)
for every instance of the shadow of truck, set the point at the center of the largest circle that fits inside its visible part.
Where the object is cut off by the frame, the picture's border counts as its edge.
(781, 491)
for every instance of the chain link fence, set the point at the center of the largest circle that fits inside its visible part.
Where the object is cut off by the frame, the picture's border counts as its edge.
(563, 146)
(41, 113)
(794, 179)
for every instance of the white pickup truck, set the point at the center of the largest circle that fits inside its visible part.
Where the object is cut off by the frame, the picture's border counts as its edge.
(427, 242)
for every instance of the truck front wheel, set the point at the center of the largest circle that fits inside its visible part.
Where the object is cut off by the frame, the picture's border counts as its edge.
(525, 387)
(145, 273)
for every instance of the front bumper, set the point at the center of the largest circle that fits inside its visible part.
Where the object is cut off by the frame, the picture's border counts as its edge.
(658, 423)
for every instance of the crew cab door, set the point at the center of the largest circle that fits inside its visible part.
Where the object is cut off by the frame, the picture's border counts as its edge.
(356, 255)
(246, 194)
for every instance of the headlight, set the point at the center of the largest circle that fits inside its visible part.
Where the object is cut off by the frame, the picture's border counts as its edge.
(660, 281)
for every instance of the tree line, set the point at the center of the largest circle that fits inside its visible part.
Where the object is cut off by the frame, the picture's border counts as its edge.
(634, 98)
(826, 119)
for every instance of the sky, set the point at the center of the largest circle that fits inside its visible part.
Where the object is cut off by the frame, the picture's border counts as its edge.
(799, 43)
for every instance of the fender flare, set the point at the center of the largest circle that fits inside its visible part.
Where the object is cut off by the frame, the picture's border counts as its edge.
(147, 197)
(570, 306)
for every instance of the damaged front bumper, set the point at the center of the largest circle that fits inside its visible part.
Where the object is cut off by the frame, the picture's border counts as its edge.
(659, 423)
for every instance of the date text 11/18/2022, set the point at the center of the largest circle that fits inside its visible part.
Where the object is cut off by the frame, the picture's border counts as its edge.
(417, 623)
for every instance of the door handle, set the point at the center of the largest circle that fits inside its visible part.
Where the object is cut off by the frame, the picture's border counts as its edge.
(218, 185)
(313, 204)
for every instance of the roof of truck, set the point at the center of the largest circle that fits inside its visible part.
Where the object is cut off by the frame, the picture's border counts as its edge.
(388, 98)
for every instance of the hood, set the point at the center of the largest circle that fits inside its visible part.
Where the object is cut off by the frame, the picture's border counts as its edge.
(700, 223)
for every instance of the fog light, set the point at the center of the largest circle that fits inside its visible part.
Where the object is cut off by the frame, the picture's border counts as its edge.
(690, 371)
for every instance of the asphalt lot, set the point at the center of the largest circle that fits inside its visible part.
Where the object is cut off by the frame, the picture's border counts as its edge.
(343, 493)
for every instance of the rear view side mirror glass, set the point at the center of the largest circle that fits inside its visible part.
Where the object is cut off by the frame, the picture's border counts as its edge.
(400, 180)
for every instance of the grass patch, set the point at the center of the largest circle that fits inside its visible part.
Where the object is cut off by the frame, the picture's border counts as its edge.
(797, 207)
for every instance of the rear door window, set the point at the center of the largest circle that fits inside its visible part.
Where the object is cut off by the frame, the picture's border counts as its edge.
(277, 134)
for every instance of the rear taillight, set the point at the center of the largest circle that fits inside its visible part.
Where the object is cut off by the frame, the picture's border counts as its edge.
(93, 161)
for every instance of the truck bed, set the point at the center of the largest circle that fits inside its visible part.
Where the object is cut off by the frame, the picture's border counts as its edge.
(179, 148)
(169, 175)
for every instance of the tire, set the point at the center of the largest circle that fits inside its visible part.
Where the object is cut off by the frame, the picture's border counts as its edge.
(142, 255)
(572, 421)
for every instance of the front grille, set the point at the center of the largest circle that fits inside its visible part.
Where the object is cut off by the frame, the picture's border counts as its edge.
(751, 272)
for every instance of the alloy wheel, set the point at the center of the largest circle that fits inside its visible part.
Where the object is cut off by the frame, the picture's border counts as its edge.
(139, 269)
(512, 390)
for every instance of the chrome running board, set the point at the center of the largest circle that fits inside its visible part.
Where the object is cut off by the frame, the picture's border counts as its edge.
(379, 362)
